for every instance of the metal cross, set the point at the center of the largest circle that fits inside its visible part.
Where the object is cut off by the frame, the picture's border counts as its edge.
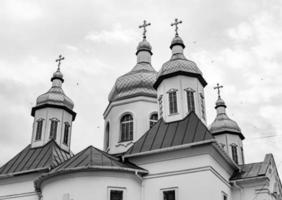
(59, 61)
(218, 87)
(176, 22)
(144, 25)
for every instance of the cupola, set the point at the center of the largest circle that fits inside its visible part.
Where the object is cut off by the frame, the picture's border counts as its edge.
(226, 131)
(180, 84)
(53, 114)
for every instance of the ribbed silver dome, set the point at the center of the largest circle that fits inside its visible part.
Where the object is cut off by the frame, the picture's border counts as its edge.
(144, 46)
(138, 82)
(222, 122)
(55, 95)
(178, 64)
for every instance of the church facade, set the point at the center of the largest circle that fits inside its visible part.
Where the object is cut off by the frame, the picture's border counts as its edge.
(157, 144)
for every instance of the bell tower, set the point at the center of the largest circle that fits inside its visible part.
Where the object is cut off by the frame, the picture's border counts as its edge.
(53, 114)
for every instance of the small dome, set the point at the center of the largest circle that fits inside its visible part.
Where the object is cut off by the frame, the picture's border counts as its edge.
(222, 123)
(144, 46)
(55, 95)
(177, 41)
(138, 82)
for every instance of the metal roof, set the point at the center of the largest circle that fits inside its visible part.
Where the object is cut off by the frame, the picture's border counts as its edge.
(92, 157)
(163, 135)
(252, 170)
(35, 159)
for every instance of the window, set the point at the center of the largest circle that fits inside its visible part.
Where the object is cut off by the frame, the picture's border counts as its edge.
(190, 99)
(234, 153)
(242, 152)
(224, 196)
(203, 106)
(116, 195)
(66, 133)
(126, 126)
(161, 105)
(153, 119)
(53, 129)
(107, 136)
(172, 102)
(39, 129)
(169, 195)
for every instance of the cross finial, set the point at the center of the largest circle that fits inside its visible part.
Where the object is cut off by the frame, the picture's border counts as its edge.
(59, 61)
(144, 25)
(176, 22)
(218, 87)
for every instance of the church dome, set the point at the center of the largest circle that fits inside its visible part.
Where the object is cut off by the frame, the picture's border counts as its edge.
(178, 64)
(222, 122)
(55, 95)
(144, 46)
(138, 82)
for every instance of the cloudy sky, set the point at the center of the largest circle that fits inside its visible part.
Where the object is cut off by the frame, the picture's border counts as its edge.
(237, 43)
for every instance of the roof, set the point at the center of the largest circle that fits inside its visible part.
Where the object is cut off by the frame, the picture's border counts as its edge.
(94, 158)
(35, 159)
(164, 135)
(138, 82)
(252, 170)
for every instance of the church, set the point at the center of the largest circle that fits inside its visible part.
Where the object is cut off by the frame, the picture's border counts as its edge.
(157, 143)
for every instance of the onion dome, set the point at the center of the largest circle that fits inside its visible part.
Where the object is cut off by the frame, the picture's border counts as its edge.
(55, 96)
(222, 123)
(139, 81)
(179, 64)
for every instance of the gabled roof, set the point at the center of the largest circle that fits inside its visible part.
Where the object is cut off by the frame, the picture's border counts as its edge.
(94, 158)
(253, 170)
(36, 159)
(164, 135)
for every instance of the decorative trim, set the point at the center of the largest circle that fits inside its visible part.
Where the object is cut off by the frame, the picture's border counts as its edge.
(47, 105)
(124, 143)
(189, 89)
(12, 196)
(172, 90)
(162, 77)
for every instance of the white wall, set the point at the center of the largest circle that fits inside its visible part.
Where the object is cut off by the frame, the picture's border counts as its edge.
(47, 114)
(20, 187)
(141, 108)
(180, 83)
(91, 185)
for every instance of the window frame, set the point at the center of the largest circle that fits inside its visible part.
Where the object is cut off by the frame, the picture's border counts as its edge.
(224, 196)
(190, 99)
(234, 153)
(131, 128)
(36, 138)
(113, 188)
(203, 106)
(51, 136)
(107, 136)
(175, 189)
(160, 101)
(152, 122)
(172, 101)
(67, 125)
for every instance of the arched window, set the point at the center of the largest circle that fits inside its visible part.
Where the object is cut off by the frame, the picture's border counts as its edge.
(190, 99)
(234, 153)
(153, 119)
(66, 133)
(172, 98)
(53, 128)
(39, 129)
(126, 127)
(107, 136)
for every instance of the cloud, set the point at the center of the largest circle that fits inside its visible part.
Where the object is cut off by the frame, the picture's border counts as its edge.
(118, 34)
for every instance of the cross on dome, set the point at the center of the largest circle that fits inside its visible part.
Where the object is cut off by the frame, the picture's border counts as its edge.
(144, 25)
(59, 61)
(176, 22)
(218, 87)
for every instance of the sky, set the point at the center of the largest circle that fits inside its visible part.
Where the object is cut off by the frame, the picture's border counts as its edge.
(237, 43)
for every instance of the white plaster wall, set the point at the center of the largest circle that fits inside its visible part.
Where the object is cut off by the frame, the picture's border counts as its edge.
(197, 173)
(47, 114)
(180, 83)
(141, 108)
(228, 140)
(20, 187)
(91, 185)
